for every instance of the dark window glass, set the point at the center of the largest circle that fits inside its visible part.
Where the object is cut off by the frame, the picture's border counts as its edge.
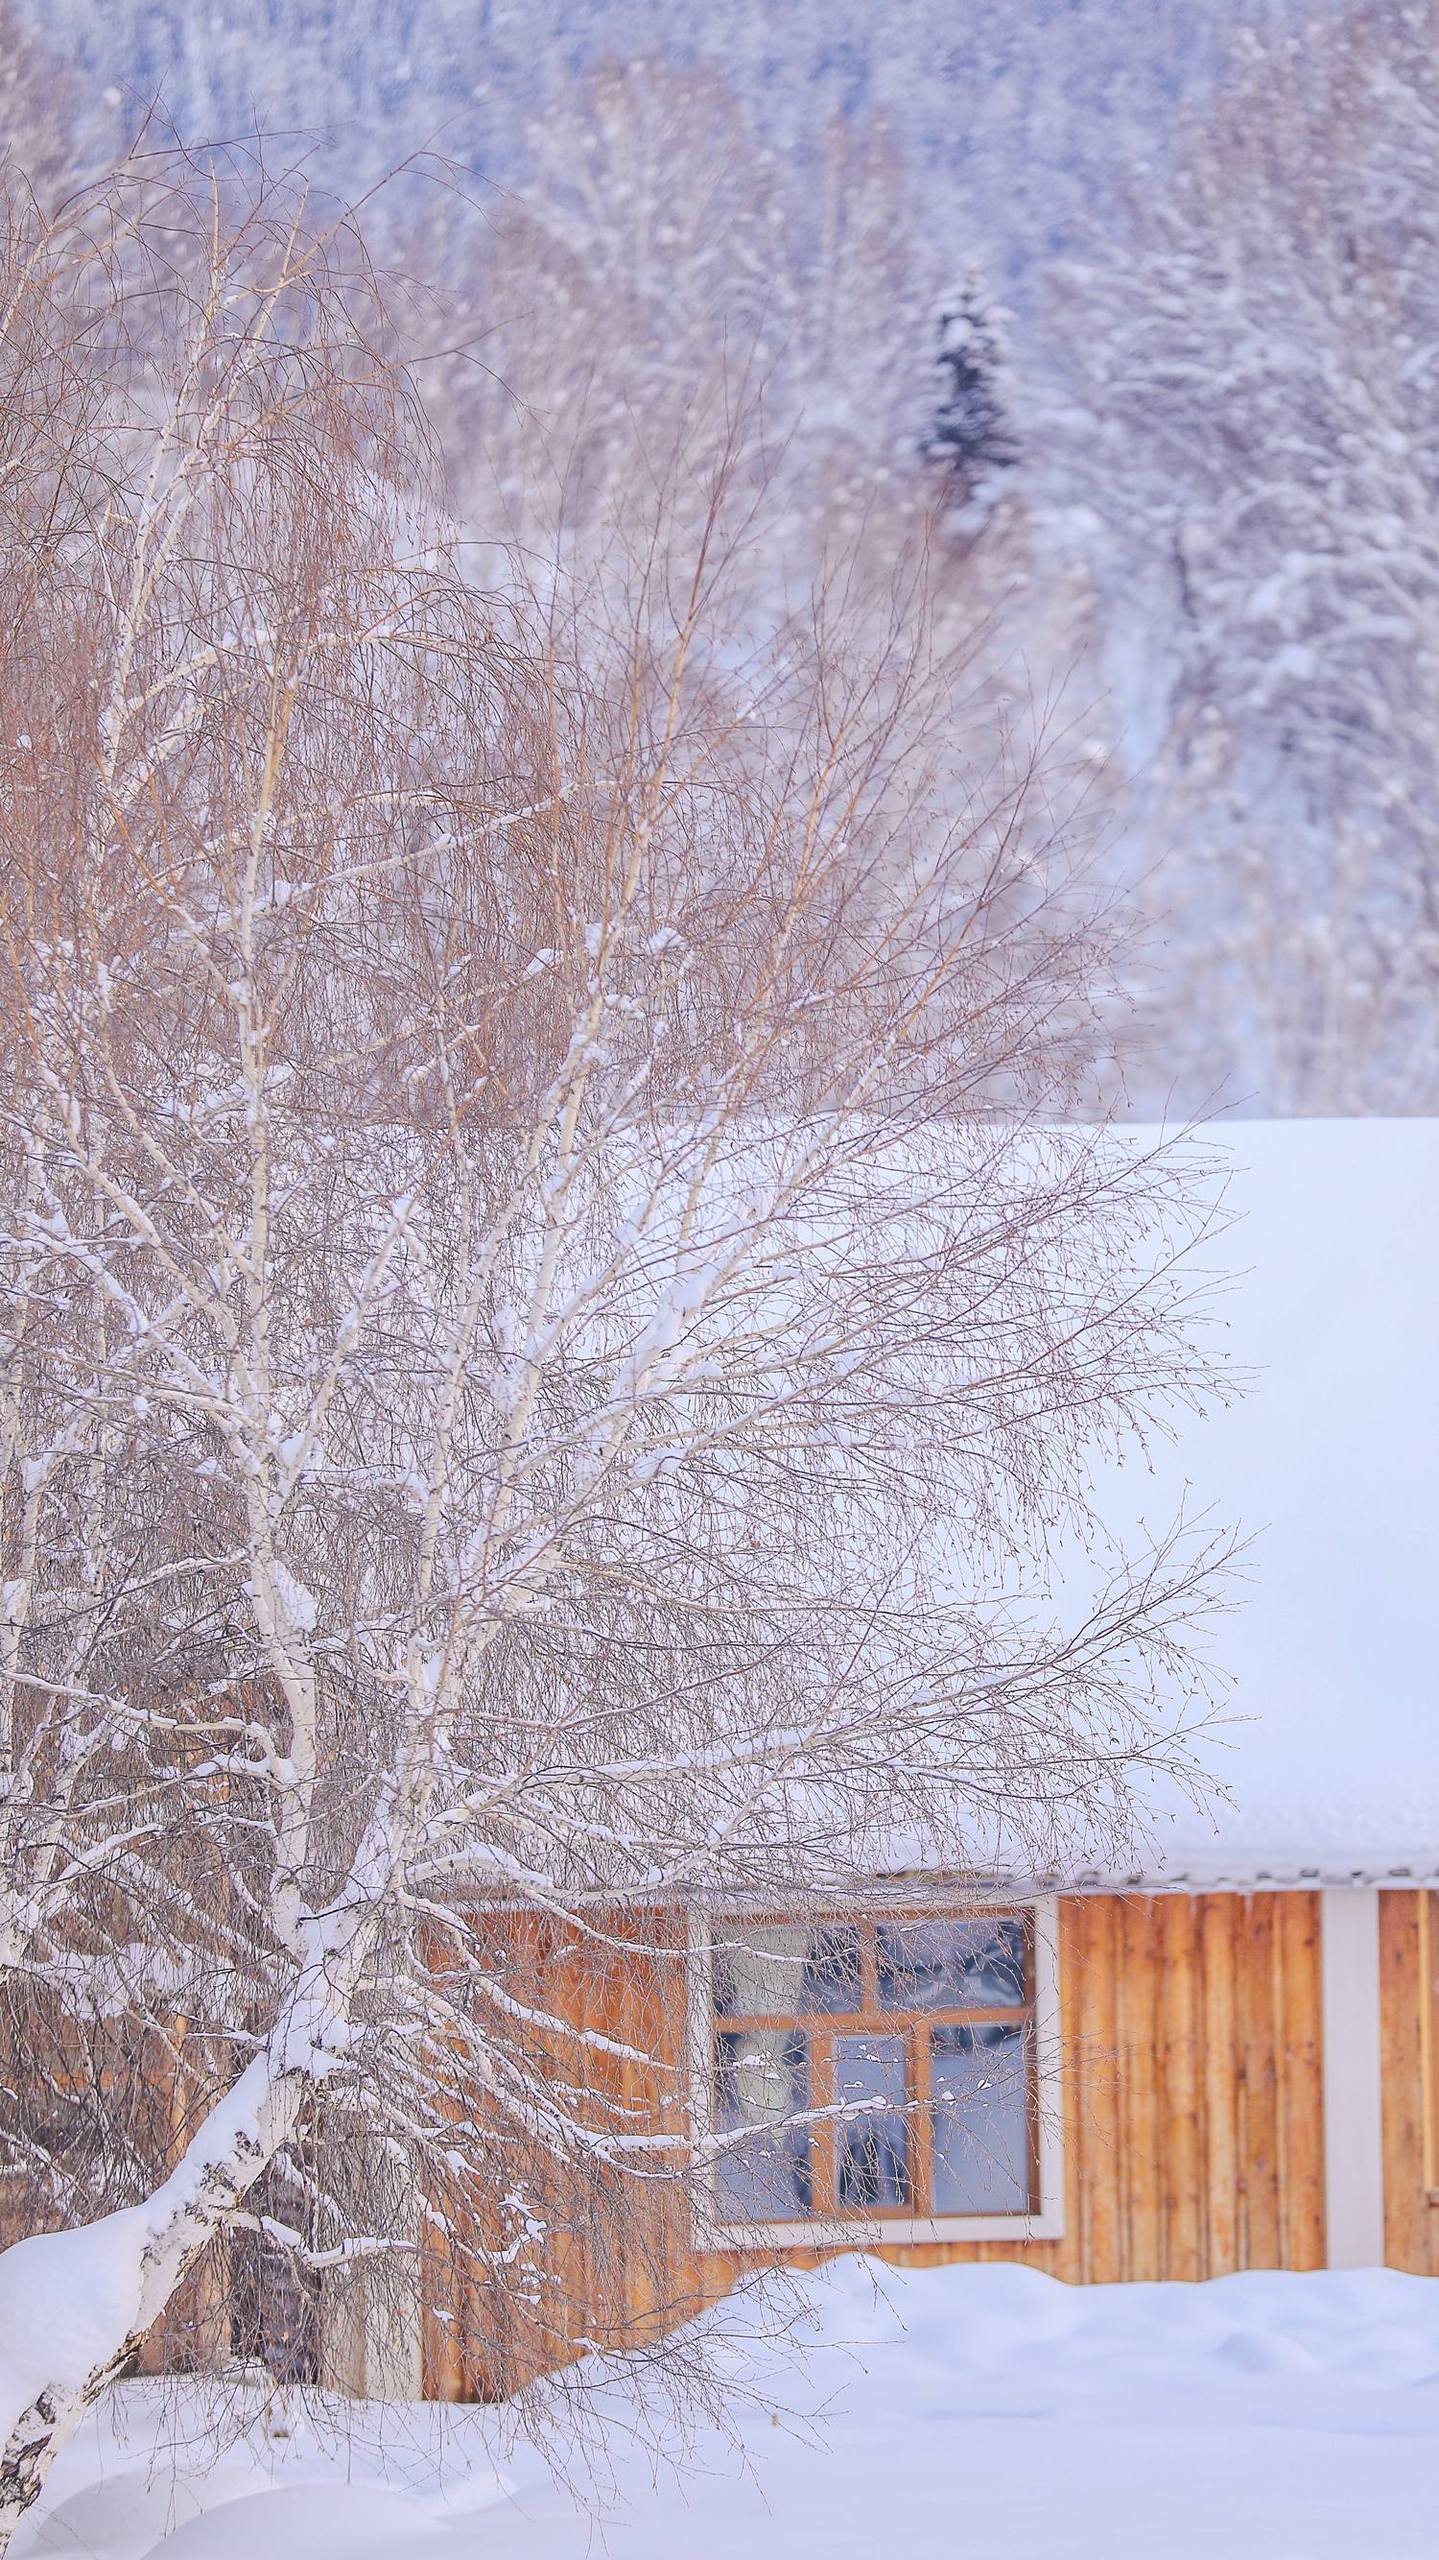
(832, 1979)
(788, 1972)
(951, 1964)
(872, 2164)
(761, 2082)
(839, 2006)
(979, 2077)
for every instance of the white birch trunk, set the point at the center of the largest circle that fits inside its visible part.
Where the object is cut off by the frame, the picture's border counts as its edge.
(117, 2276)
(575, 1325)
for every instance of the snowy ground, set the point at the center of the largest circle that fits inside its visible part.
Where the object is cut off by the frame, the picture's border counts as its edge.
(981, 2411)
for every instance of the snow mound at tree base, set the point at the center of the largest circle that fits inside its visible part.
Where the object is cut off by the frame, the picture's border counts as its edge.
(232, 2470)
(983, 2410)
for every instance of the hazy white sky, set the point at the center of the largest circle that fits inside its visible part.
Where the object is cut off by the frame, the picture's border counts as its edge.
(1330, 1462)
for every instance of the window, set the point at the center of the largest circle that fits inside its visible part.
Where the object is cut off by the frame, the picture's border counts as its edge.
(880, 2075)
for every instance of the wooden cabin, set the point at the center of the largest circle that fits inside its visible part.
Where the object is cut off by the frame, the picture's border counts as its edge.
(1111, 2086)
(1225, 2057)
(1173, 2080)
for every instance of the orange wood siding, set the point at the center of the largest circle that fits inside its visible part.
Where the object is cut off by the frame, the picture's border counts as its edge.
(1193, 2114)
(1408, 1955)
(1194, 2121)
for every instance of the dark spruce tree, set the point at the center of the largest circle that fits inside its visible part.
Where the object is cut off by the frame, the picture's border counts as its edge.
(970, 432)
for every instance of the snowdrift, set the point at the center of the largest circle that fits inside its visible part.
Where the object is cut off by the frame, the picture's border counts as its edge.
(986, 2410)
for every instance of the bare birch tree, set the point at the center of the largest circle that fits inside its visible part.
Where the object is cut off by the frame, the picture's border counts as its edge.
(549, 1325)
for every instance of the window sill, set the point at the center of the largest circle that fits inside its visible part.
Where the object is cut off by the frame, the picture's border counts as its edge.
(893, 2232)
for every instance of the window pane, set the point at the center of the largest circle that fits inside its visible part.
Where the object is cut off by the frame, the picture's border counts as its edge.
(980, 2080)
(951, 1964)
(762, 2080)
(786, 1972)
(872, 2150)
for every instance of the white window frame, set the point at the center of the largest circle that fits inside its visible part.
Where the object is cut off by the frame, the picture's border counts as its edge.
(1046, 2222)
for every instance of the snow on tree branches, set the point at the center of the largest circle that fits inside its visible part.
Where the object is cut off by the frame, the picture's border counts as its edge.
(548, 1320)
(970, 432)
(1249, 425)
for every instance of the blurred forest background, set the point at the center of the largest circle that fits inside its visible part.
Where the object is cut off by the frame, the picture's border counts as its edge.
(1120, 317)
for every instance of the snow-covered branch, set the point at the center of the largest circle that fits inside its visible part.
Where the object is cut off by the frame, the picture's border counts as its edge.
(552, 1324)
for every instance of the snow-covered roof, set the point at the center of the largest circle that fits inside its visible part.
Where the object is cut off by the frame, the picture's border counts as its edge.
(1329, 1748)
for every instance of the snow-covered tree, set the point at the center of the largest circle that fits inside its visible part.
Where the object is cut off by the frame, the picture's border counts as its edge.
(1014, 122)
(38, 105)
(659, 266)
(971, 432)
(548, 1324)
(668, 297)
(1252, 434)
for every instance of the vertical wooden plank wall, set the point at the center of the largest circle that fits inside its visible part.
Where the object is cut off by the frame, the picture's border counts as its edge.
(1408, 1959)
(1194, 2105)
(1193, 2109)
(1300, 2080)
